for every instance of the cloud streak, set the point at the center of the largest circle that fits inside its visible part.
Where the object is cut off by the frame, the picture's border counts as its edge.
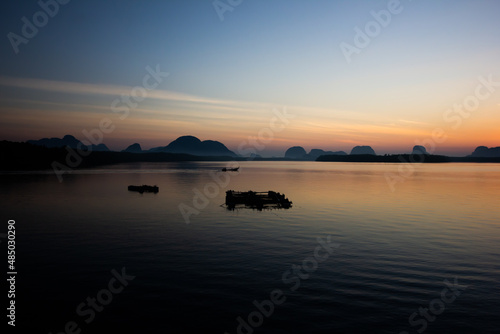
(53, 106)
(202, 103)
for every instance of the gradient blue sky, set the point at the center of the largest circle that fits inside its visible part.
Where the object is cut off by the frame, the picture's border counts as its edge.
(227, 76)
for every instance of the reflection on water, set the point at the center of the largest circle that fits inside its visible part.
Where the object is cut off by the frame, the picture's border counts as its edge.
(396, 247)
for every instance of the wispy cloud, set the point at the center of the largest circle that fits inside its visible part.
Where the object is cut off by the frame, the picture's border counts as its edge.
(62, 86)
(111, 90)
(221, 106)
(73, 106)
(413, 122)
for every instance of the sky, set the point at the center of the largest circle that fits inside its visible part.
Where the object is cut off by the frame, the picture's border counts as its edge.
(260, 74)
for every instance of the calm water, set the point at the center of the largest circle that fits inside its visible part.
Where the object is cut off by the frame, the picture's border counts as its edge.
(392, 250)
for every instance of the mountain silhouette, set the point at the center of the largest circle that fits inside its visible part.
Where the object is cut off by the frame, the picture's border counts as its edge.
(295, 152)
(418, 149)
(67, 140)
(360, 150)
(194, 146)
(484, 152)
(134, 148)
(26, 156)
(393, 158)
(316, 152)
(299, 153)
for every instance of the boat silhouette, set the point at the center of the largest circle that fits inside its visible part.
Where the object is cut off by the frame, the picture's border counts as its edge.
(144, 188)
(230, 169)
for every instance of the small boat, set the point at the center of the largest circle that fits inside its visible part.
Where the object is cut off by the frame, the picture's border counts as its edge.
(230, 169)
(257, 200)
(144, 188)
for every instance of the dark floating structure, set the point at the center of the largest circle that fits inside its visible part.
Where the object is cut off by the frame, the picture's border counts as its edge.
(230, 169)
(144, 188)
(257, 200)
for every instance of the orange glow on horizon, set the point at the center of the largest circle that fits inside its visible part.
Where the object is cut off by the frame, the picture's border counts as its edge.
(165, 116)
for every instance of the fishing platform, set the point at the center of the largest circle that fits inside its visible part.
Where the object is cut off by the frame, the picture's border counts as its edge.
(144, 188)
(257, 200)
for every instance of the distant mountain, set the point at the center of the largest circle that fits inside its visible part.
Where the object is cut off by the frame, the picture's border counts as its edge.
(358, 150)
(484, 152)
(67, 140)
(255, 156)
(134, 148)
(393, 158)
(194, 146)
(315, 153)
(296, 152)
(26, 156)
(418, 149)
(100, 148)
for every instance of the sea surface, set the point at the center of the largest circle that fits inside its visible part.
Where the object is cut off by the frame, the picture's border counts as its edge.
(365, 248)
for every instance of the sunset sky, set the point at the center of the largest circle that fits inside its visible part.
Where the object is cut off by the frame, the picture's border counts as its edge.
(432, 66)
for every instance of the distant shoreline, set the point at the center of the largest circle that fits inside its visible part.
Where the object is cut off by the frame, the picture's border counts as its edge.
(26, 157)
(404, 158)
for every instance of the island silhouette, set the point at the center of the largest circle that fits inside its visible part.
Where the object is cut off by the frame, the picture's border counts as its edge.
(194, 146)
(67, 140)
(70, 153)
(298, 152)
(485, 152)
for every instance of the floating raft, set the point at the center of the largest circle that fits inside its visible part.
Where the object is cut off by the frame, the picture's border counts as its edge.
(144, 188)
(257, 200)
(230, 169)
